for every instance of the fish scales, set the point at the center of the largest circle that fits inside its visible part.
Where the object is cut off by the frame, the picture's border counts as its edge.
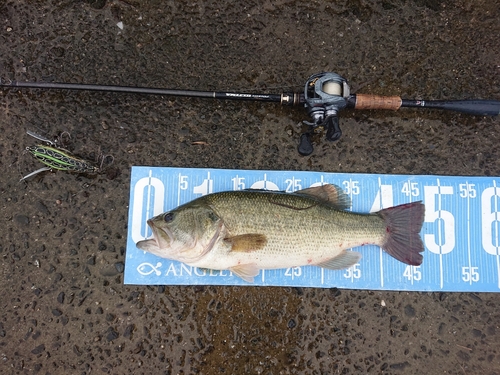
(295, 225)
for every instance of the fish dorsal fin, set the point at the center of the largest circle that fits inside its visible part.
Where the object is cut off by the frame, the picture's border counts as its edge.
(246, 271)
(345, 259)
(328, 193)
(247, 242)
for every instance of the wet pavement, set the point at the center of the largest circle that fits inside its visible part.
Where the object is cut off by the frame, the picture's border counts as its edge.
(64, 308)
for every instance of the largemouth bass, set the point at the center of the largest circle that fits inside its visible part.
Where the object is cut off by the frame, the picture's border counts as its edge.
(249, 230)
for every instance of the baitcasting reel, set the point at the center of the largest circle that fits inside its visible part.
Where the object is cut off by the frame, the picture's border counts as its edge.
(324, 95)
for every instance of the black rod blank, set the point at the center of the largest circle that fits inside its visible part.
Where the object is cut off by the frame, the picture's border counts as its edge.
(285, 98)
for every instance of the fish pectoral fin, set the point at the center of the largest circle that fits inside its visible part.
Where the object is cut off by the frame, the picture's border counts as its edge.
(328, 193)
(247, 242)
(345, 259)
(246, 271)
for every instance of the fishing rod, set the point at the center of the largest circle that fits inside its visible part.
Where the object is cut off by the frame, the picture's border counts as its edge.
(325, 94)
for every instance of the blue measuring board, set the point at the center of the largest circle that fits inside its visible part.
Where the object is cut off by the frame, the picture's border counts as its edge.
(461, 229)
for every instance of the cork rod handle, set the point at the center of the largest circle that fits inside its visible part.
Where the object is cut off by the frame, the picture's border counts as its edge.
(377, 102)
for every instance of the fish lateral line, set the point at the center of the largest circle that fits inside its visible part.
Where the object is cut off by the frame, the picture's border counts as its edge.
(293, 207)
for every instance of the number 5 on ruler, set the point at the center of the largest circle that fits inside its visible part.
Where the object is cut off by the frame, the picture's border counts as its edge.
(444, 241)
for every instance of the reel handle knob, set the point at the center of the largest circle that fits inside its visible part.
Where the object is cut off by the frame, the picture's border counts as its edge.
(333, 131)
(305, 145)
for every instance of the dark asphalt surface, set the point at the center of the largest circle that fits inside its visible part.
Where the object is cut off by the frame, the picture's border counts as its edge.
(64, 308)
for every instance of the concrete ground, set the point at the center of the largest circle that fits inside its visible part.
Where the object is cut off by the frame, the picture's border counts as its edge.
(64, 308)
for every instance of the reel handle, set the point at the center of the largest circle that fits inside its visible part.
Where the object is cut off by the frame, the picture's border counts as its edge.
(333, 133)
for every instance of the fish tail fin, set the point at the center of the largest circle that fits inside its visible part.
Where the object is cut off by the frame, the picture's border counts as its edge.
(403, 225)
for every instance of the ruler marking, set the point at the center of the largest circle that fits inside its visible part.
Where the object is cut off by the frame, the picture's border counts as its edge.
(148, 202)
(496, 189)
(381, 252)
(410, 190)
(440, 238)
(469, 255)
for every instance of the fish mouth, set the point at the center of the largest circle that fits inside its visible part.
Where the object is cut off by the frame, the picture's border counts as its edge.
(158, 235)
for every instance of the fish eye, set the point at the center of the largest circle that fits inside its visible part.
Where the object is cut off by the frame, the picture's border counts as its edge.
(168, 217)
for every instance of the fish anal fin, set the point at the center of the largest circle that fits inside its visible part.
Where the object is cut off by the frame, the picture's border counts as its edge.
(328, 193)
(344, 260)
(246, 271)
(247, 242)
